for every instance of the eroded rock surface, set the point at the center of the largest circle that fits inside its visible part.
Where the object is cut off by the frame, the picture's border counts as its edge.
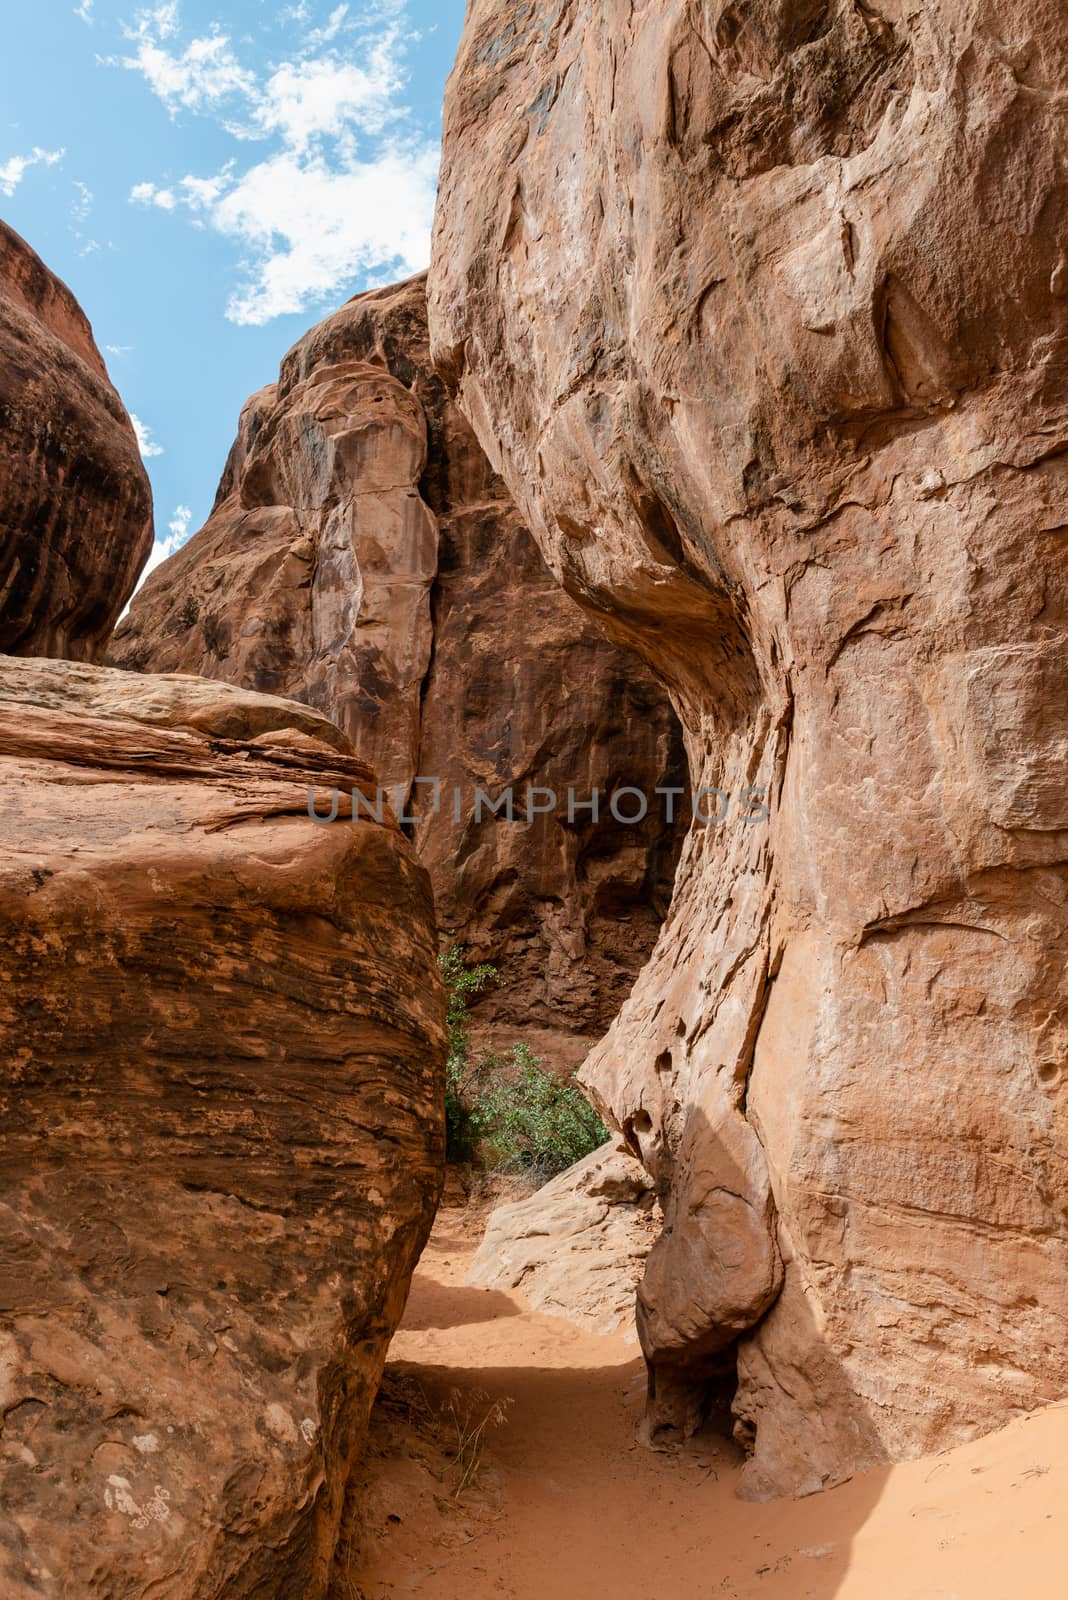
(222, 1034)
(362, 556)
(577, 1246)
(762, 312)
(75, 504)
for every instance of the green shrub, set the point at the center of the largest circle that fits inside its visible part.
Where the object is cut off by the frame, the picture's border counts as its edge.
(530, 1120)
(461, 1074)
(510, 1110)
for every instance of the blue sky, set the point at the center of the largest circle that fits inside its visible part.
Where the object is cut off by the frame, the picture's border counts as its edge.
(211, 177)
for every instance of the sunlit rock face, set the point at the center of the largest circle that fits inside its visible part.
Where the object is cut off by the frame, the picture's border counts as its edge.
(75, 504)
(364, 557)
(222, 1037)
(761, 311)
(575, 1248)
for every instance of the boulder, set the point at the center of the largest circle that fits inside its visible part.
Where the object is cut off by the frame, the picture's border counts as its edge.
(761, 310)
(222, 1031)
(575, 1247)
(363, 557)
(75, 503)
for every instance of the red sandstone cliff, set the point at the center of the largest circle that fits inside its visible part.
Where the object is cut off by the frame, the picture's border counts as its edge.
(761, 312)
(75, 504)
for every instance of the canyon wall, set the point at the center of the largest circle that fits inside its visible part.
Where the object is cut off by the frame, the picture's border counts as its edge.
(75, 503)
(761, 310)
(363, 557)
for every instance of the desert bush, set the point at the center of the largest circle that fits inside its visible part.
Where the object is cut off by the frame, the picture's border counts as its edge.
(530, 1120)
(509, 1111)
(469, 1416)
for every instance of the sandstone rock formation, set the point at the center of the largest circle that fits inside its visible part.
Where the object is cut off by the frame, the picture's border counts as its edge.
(761, 309)
(363, 557)
(222, 1034)
(577, 1246)
(75, 505)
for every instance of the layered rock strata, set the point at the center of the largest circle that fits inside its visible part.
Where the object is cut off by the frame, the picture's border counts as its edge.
(222, 1034)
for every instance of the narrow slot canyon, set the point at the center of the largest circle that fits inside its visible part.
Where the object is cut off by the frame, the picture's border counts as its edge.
(534, 940)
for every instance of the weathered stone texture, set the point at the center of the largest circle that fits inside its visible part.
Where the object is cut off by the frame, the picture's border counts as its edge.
(576, 1247)
(75, 503)
(362, 556)
(222, 1036)
(762, 312)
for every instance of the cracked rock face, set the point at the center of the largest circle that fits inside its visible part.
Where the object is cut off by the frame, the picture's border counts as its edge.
(363, 557)
(223, 1033)
(761, 310)
(75, 503)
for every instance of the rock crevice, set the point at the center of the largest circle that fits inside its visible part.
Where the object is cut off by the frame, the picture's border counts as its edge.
(364, 557)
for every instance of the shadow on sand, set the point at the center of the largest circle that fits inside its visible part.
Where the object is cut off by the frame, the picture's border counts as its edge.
(580, 1509)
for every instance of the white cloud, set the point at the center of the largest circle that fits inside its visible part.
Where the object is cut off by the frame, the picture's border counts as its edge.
(206, 72)
(341, 192)
(80, 211)
(163, 549)
(145, 442)
(179, 523)
(85, 11)
(147, 194)
(311, 99)
(83, 204)
(310, 229)
(13, 170)
(159, 21)
(205, 191)
(203, 74)
(119, 349)
(330, 30)
(196, 193)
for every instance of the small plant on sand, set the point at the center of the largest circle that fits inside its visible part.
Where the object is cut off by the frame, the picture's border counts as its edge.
(349, 1589)
(456, 1426)
(509, 1109)
(470, 1416)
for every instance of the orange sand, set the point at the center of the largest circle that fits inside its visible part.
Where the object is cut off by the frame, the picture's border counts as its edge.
(568, 1507)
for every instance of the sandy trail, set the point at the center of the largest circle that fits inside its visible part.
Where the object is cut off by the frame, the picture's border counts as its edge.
(566, 1506)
